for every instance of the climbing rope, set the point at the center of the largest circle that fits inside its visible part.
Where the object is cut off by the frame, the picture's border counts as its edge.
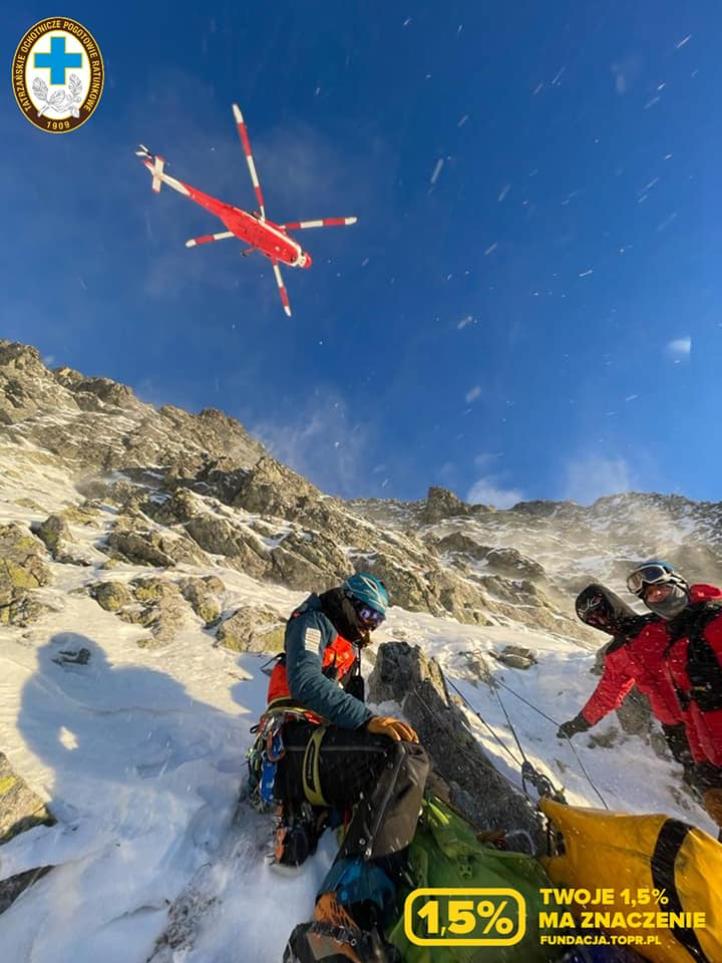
(492, 732)
(549, 719)
(541, 782)
(438, 719)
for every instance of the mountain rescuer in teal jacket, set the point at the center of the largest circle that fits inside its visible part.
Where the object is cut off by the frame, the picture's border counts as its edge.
(333, 753)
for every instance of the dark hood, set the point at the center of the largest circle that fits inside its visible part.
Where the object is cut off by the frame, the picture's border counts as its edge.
(611, 614)
(338, 610)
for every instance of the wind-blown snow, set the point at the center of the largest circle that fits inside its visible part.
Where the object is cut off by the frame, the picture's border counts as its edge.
(141, 755)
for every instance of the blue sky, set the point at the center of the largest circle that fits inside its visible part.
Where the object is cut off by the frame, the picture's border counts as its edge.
(530, 305)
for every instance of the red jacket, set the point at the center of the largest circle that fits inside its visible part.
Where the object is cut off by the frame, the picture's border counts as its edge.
(638, 661)
(338, 660)
(694, 666)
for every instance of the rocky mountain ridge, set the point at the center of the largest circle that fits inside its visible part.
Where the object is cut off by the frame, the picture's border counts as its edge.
(179, 489)
(180, 525)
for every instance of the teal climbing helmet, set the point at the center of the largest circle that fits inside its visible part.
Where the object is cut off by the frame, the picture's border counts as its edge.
(367, 589)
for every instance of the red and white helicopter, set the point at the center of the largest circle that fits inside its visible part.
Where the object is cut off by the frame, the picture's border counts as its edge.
(260, 233)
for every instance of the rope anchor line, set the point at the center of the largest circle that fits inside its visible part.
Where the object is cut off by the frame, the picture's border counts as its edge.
(541, 782)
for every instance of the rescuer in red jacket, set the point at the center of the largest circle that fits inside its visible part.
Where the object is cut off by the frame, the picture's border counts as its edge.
(634, 657)
(692, 616)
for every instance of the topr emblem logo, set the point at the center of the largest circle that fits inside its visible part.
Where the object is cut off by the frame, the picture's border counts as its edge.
(58, 75)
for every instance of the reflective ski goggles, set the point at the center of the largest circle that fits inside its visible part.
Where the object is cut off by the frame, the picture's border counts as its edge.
(648, 575)
(368, 617)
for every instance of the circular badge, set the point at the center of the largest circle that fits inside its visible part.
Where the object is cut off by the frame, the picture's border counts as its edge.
(58, 75)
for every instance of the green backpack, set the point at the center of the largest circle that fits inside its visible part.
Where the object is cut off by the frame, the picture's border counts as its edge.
(445, 853)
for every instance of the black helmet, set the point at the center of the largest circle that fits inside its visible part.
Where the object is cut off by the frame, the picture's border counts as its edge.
(599, 607)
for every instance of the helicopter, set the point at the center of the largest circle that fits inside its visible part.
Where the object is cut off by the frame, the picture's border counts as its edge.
(253, 227)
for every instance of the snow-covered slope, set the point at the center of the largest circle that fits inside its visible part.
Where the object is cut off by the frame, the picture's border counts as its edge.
(140, 751)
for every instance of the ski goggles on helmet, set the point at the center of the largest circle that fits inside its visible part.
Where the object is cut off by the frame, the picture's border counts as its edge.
(652, 574)
(588, 604)
(370, 618)
(594, 610)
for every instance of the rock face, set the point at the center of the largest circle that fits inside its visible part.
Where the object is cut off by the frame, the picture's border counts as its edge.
(20, 809)
(22, 570)
(218, 492)
(160, 608)
(135, 539)
(404, 675)
(441, 503)
(204, 594)
(155, 603)
(64, 406)
(111, 596)
(252, 629)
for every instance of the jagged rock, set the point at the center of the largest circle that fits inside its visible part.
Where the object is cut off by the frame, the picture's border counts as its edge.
(127, 496)
(202, 593)
(86, 514)
(111, 596)
(501, 561)
(252, 629)
(459, 598)
(459, 542)
(133, 540)
(270, 488)
(21, 564)
(407, 587)
(93, 489)
(219, 537)
(214, 433)
(177, 509)
(548, 509)
(22, 611)
(150, 590)
(220, 477)
(163, 608)
(167, 463)
(512, 564)
(93, 394)
(140, 548)
(441, 503)
(21, 570)
(154, 603)
(26, 385)
(515, 656)
(308, 560)
(54, 532)
(404, 675)
(20, 809)
(58, 412)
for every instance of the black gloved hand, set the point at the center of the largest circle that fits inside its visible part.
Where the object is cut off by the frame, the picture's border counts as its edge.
(570, 728)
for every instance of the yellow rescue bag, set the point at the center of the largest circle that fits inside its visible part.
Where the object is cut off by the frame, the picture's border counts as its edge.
(680, 867)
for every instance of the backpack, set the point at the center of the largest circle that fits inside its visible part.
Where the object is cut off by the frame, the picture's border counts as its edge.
(445, 853)
(703, 667)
